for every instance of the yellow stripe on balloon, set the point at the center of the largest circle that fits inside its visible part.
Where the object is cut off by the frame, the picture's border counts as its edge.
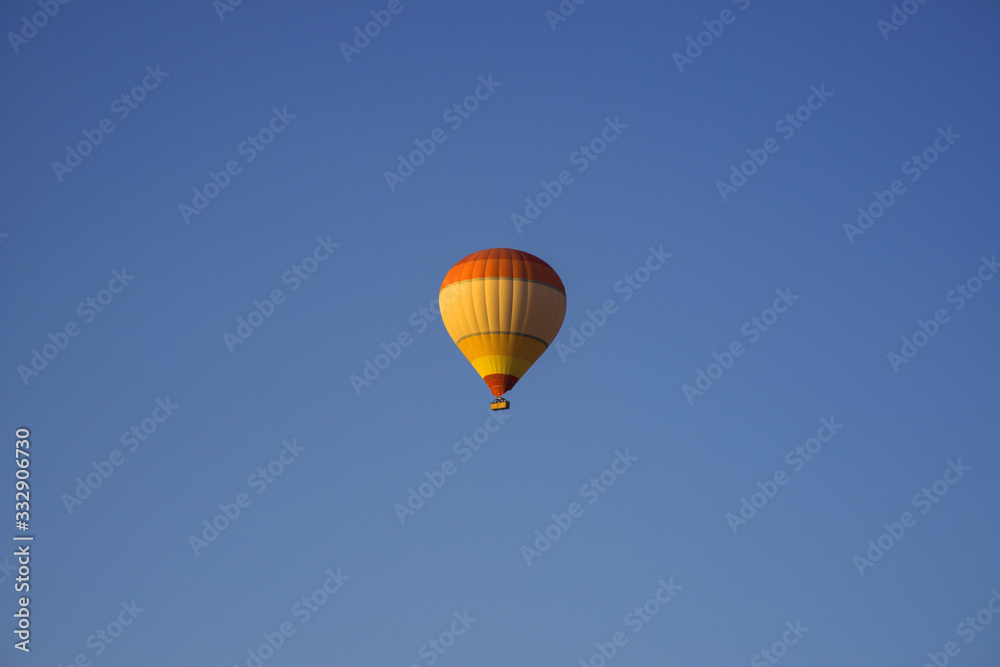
(502, 304)
(510, 347)
(491, 364)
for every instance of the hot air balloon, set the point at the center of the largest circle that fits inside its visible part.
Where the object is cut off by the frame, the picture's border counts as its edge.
(502, 308)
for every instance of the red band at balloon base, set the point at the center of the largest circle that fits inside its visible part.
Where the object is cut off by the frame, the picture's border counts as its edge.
(500, 383)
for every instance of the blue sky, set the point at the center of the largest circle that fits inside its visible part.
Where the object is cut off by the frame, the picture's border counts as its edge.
(301, 137)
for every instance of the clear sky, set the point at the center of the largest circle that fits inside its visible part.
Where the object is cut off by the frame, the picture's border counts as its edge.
(751, 405)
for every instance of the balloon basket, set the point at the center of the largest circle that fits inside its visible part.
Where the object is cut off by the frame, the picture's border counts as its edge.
(500, 404)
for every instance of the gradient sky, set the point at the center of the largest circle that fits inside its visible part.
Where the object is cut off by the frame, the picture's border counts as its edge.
(345, 124)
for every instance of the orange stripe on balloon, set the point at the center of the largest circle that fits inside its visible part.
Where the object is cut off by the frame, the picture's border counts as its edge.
(503, 263)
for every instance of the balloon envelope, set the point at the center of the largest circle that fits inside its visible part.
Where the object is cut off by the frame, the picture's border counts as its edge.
(502, 308)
